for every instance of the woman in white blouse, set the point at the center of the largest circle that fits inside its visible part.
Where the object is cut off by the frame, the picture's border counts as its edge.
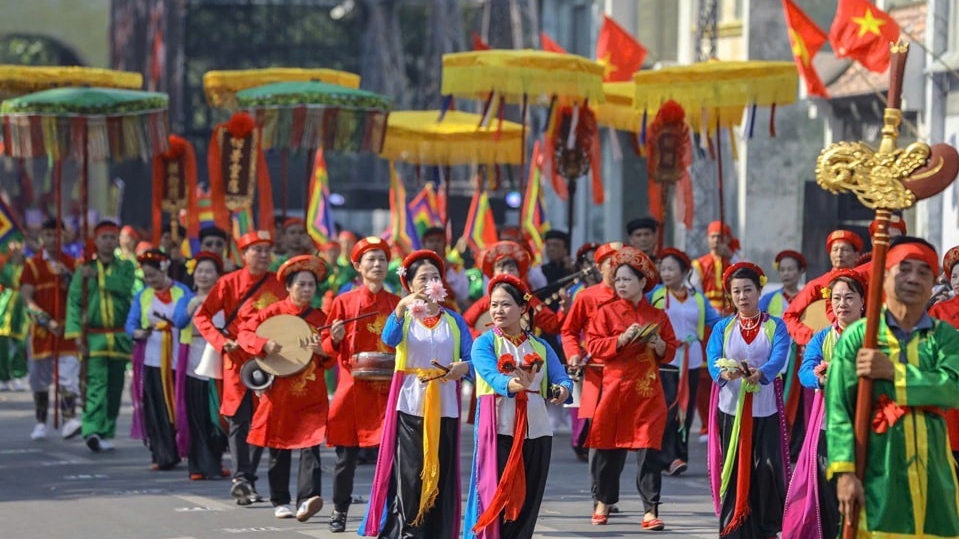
(416, 487)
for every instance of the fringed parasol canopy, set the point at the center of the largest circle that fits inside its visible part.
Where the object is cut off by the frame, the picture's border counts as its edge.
(221, 86)
(716, 84)
(310, 114)
(619, 113)
(112, 124)
(419, 137)
(17, 80)
(520, 75)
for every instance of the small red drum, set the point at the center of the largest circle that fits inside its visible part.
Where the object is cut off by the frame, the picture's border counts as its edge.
(374, 366)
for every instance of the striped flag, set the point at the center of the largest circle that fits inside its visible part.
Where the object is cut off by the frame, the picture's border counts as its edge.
(405, 238)
(533, 219)
(425, 210)
(206, 217)
(480, 228)
(319, 215)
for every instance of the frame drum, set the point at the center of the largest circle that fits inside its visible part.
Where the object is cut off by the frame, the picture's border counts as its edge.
(373, 366)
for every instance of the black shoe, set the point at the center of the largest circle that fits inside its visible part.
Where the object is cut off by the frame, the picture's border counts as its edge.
(338, 522)
(241, 491)
(93, 442)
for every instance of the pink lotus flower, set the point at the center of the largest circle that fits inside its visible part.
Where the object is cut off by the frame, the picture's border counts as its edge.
(435, 291)
(418, 309)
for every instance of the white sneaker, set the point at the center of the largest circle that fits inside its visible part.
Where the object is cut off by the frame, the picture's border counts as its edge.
(18, 384)
(283, 511)
(106, 445)
(703, 438)
(71, 428)
(39, 432)
(309, 508)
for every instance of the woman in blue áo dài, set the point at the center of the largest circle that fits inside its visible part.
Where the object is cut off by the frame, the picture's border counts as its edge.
(416, 486)
(812, 510)
(516, 373)
(748, 457)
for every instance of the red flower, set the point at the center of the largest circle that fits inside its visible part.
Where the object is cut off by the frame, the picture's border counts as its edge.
(532, 361)
(506, 363)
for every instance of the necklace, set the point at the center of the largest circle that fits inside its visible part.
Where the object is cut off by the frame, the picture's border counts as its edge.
(749, 323)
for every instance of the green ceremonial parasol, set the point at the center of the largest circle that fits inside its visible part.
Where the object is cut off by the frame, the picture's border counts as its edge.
(86, 124)
(310, 114)
(89, 124)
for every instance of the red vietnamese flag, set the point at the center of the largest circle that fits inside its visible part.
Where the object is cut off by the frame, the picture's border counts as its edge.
(479, 44)
(806, 39)
(863, 32)
(549, 45)
(618, 51)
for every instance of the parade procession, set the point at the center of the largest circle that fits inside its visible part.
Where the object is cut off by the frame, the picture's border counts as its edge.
(452, 281)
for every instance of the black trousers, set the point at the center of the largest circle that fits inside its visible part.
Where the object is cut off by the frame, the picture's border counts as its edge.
(536, 455)
(206, 440)
(246, 457)
(406, 484)
(676, 436)
(308, 478)
(161, 436)
(606, 466)
(767, 484)
(343, 473)
(829, 517)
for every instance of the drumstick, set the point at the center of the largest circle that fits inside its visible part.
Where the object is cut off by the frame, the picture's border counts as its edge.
(436, 364)
(360, 317)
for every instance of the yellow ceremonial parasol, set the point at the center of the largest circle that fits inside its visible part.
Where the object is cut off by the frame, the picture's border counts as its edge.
(720, 89)
(619, 112)
(17, 80)
(221, 86)
(518, 75)
(419, 137)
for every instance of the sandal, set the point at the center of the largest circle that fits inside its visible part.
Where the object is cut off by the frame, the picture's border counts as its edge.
(654, 524)
(599, 519)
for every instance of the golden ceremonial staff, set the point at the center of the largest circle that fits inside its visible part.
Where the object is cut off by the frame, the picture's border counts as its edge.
(885, 180)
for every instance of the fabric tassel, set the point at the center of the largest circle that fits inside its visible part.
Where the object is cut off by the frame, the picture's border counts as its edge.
(182, 422)
(445, 107)
(430, 475)
(634, 141)
(264, 186)
(642, 129)
(772, 121)
(744, 462)
(595, 157)
(166, 370)
(752, 121)
(654, 190)
(709, 145)
(501, 110)
(511, 490)
(137, 425)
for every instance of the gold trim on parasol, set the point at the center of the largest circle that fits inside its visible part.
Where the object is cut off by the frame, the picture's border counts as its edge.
(717, 85)
(17, 80)
(417, 136)
(513, 74)
(221, 86)
(618, 111)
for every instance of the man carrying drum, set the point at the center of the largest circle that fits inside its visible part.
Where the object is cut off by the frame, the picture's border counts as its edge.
(365, 368)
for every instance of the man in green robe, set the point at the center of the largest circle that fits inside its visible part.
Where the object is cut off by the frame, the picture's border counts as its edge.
(107, 348)
(14, 323)
(909, 488)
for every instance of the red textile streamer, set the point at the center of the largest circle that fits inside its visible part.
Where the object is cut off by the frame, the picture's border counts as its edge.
(511, 490)
(744, 456)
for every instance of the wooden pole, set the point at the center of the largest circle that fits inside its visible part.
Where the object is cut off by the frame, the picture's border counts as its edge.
(57, 173)
(284, 155)
(87, 256)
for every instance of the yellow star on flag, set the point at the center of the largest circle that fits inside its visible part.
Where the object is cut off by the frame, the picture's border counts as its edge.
(608, 67)
(868, 24)
(799, 47)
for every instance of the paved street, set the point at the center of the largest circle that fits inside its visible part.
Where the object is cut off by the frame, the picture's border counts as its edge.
(58, 489)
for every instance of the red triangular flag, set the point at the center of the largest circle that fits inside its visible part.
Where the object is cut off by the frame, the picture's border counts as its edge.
(479, 44)
(806, 39)
(549, 45)
(863, 32)
(618, 51)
